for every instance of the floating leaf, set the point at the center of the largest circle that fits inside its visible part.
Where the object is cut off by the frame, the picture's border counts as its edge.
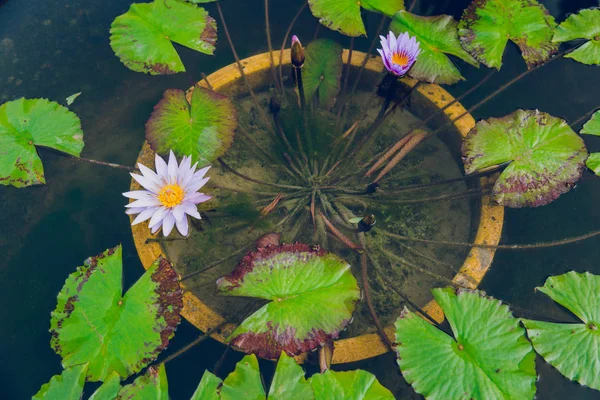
(72, 98)
(345, 15)
(355, 220)
(348, 385)
(487, 26)
(592, 127)
(289, 381)
(109, 389)
(244, 382)
(152, 385)
(437, 37)
(584, 25)
(322, 71)
(68, 385)
(573, 349)
(593, 163)
(203, 129)
(312, 296)
(489, 359)
(546, 156)
(94, 323)
(208, 388)
(27, 123)
(142, 37)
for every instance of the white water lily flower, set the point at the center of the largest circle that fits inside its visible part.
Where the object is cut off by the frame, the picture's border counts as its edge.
(170, 195)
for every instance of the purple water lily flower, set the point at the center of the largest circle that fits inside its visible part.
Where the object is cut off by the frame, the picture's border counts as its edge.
(399, 54)
(170, 195)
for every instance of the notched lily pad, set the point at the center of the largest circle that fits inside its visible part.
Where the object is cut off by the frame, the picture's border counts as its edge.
(208, 388)
(94, 323)
(29, 123)
(203, 128)
(438, 38)
(109, 388)
(546, 156)
(142, 37)
(487, 26)
(244, 382)
(488, 356)
(152, 385)
(573, 349)
(348, 385)
(312, 295)
(68, 385)
(583, 25)
(322, 71)
(345, 16)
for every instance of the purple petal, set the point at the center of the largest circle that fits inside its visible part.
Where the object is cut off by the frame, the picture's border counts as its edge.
(172, 168)
(191, 209)
(168, 224)
(158, 217)
(150, 202)
(161, 167)
(144, 216)
(135, 210)
(197, 198)
(195, 185)
(182, 226)
(137, 194)
(156, 228)
(146, 183)
(149, 174)
(178, 212)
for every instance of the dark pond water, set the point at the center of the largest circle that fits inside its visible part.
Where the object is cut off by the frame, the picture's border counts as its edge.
(54, 49)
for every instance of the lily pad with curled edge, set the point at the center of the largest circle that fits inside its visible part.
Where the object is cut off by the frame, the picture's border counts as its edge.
(487, 26)
(345, 16)
(348, 385)
(143, 37)
(311, 294)
(583, 25)
(68, 385)
(437, 38)
(573, 349)
(26, 124)
(592, 127)
(93, 322)
(488, 356)
(203, 128)
(322, 70)
(546, 156)
(153, 385)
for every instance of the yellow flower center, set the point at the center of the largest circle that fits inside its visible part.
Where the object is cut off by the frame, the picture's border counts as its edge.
(400, 59)
(171, 195)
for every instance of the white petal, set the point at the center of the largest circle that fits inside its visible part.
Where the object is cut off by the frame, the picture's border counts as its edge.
(150, 202)
(156, 228)
(134, 210)
(201, 172)
(197, 198)
(179, 212)
(182, 226)
(172, 169)
(146, 183)
(195, 185)
(137, 194)
(168, 224)
(149, 174)
(191, 209)
(184, 167)
(186, 176)
(161, 167)
(144, 216)
(158, 217)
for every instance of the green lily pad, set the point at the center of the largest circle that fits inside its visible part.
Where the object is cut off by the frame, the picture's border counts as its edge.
(311, 294)
(109, 389)
(152, 385)
(26, 124)
(72, 98)
(348, 385)
(546, 156)
(244, 382)
(592, 127)
(208, 388)
(289, 381)
(593, 163)
(438, 38)
(345, 16)
(573, 349)
(142, 37)
(322, 71)
(584, 25)
(94, 323)
(203, 128)
(68, 385)
(488, 357)
(487, 26)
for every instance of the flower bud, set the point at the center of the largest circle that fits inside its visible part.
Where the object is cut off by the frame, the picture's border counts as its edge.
(298, 56)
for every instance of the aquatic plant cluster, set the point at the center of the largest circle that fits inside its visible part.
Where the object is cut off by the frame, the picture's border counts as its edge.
(328, 172)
